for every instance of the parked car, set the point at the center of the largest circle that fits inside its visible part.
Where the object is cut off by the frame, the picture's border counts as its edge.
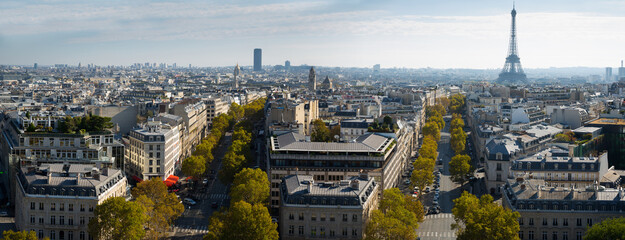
(205, 181)
(3, 213)
(189, 201)
(407, 182)
(427, 189)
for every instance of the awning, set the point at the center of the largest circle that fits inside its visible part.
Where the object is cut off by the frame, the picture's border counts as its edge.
(172, 177)
(189, 177)
(169, 183)
(137, 178)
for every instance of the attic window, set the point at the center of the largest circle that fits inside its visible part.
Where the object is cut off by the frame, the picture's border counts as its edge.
(499, 156)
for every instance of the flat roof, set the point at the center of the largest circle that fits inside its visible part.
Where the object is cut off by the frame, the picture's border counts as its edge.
(608, 121)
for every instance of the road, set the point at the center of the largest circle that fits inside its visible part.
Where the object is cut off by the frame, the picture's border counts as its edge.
(193, 223)
(438, 226)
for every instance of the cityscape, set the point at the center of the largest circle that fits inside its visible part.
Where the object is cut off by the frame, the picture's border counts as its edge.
(312, 120)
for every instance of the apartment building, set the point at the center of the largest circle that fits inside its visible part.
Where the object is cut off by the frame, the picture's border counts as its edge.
(153, 151)
(326, 210)
(557, 169)
(560, 213)
(215, 106)
(57, 200)
(383, 157)
(194, 114)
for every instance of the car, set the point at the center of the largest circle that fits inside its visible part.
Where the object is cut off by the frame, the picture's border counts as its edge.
(214, 205)
(427, 189)
(436, 195)
(189, 201)
(407, 181)
(274, 219)
(436, 186)
(4, 213)
(416, 189)
(205, 181)
(435, 202)
(415, 195)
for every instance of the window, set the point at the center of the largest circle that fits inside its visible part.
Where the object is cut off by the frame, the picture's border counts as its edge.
(62, 207)
(40, 220)
(61, 235)
(313, 217)
(555, 222)
(322, 217)
(90, 208)
(291, 217)
(70, 235)
(331, 217)
(150, 170)
(545, 235)
(291, 229)
(354, 218)
(331, 233)
(82, 235)
(151, 162)
(565, 235)
(531, 223)
(354, 232)
(565, 222)
(554, 236)
(82, 221)
(70, 207)
(344, 217)
(344, 231)
(70, 221)
(521, 221)
(82, 207)
(40, 206)
(32, 219)
(32, 205)
(579, 222)
(61, 220)
(579, 236)
(40, 234)
(301, 216)
(52, 235)
(530, 235)
(589, 222)
(498, 166)
(544, 221)
(313, 231)
(52, 220)
(520, 234)
(301, 230)
(322, 231)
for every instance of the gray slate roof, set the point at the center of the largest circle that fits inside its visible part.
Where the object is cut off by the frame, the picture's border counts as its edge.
(297, 142)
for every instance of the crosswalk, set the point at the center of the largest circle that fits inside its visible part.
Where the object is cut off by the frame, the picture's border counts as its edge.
(441, 215)
(191, 229)
(211, 196)
(437, 234)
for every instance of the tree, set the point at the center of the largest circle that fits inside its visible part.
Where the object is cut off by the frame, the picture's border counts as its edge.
(456, 121)
(432, 129)
(161, 207)
(396, 218)
(232, 163)
(422, 174)
(429, 148)
(242, 221)
(459, 167)
(438, 120)
(31, 128)
(609, 229)
(458, 140)
(194, 166)
(241, 135)
(20, 235)
(236, 111)
(335, 131)
(477, 218)
(435, 110)
(116, 218)
(457, 103)
(251, 186)
(205, 149)
(320, 133)
(387, 120)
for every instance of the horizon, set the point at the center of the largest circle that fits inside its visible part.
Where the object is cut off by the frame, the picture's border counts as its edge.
(348, 34)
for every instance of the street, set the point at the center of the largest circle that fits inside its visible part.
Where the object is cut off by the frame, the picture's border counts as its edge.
(193, 223)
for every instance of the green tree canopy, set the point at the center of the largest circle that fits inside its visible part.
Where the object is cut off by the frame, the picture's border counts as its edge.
(458, 140)
(161, 207)
(432, 129)
(422, 175)
(20, 235)
(116, 218)
(397, 217)
(320, 133)
(236, 111)
(478, 218)
(459, 167)
(232, 163)
(194, 166)
(609, 229)
(429, 148)
(251, 186)
(457, 103)
(242, 221)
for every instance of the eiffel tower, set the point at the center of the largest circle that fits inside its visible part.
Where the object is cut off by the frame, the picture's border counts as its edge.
(512, 71)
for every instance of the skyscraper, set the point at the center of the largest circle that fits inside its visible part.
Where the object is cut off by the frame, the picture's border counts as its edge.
(35, 66)
(621, 71)
(287, 64)
(608, 74)
(512, 71)
(258, 60)
(312, 79)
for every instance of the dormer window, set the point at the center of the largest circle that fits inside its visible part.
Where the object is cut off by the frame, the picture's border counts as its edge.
(499, 156)
(570, 166)
(555, 166)
(542, 166)
(592, 167)
(583, 166)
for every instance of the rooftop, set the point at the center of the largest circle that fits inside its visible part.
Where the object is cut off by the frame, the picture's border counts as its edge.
(297, 142)
(608, 121)
(301, 189)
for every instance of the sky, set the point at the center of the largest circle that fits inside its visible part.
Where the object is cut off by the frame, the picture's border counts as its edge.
(343, 33)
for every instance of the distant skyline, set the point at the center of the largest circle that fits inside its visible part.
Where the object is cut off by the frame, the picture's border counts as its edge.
(343, 33)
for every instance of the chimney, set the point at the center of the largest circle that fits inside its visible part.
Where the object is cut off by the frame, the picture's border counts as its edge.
(309, 187)
(77, 178)
(354, 184)
(49, 177)
(363, 175)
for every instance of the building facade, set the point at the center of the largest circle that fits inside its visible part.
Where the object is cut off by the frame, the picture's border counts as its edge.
(153, 151)
(57, 200)
(326, 210)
